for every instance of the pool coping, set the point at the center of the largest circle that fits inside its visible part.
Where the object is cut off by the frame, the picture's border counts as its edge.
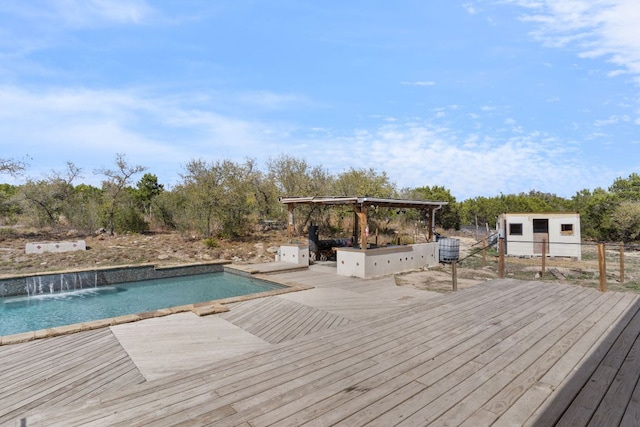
(204, 308)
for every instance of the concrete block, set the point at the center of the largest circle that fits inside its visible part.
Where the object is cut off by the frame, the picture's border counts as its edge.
(41, 247)
(295, 254)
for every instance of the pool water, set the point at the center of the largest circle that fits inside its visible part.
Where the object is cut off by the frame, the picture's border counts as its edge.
(31, 313)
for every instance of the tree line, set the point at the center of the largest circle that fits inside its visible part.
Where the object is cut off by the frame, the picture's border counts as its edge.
(227, 199)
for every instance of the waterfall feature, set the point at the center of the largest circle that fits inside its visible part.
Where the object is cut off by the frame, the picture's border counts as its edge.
(63, 282)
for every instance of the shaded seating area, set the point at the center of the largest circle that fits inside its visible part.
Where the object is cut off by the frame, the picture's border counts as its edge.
(356, 256)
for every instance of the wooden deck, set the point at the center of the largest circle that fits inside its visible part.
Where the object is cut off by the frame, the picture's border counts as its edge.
(349, 352)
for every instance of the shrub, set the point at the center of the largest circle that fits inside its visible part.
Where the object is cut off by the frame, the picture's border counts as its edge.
(130, 220)
(211, 243)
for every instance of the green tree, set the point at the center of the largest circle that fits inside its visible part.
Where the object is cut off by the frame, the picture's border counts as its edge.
(266, 193)
(198, 198)
(237, 210)
(358, 183)
(168, 206)
(220, 198)
(9, 205)
(84, 208)
(595, 209)
(627, 189)
(49, 199)
(128, 217)
(551, 202)
(295, 177)
(115, 185)
(11, 167)
(485, 210)
(148, 189)
(365, 183)
(482, 210)
(448, 217)
(626, 221)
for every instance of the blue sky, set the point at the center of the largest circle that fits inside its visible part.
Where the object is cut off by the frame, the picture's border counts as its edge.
(481, 97)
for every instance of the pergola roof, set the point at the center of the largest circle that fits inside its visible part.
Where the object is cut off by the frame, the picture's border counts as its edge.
(363, 201)
(360, 205)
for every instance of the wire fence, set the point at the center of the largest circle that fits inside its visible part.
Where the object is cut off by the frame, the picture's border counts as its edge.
(607, 266)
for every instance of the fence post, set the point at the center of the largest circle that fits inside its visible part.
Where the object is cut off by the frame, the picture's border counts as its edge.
(454, 275)
(501, 258)
(484, 252)
(621, 262)
(603, 268)
(544, 257)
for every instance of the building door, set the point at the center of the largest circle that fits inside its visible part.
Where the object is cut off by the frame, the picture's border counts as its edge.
(540, 234)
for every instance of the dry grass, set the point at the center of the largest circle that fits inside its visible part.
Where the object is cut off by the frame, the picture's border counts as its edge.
(132, 249)
(471, 270)
(173, 248)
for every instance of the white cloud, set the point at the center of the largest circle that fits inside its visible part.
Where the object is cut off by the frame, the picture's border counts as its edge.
(470, 8)
(89, 13)
(468, 164)
(612, 120)
(61, 14)
(29, 27)
(271, 100)
(418, 83)
(88, 127)
(598, 28)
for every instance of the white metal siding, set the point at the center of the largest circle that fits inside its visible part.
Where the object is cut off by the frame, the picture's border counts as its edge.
(559, 245)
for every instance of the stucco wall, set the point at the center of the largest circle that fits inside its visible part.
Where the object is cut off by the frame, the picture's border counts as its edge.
(294, 254)
(385, 261)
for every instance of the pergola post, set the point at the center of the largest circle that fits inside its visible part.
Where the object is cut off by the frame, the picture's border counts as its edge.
(290, 208)
(354, 232)
(361, 215)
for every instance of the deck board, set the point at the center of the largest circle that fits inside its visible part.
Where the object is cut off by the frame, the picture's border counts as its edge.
(80, 366)
(350, 352)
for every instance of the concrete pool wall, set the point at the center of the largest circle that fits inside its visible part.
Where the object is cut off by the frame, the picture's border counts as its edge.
(137, 273)
(74, 279)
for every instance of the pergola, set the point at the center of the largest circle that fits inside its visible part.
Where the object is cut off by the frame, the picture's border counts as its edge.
(360, 205)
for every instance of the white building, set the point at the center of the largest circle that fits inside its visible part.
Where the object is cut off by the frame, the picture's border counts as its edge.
(524, 234)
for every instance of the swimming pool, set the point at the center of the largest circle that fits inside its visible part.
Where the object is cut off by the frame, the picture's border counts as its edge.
(46, 310)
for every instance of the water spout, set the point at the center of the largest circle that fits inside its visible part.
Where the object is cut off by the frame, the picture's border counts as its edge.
(63, 282)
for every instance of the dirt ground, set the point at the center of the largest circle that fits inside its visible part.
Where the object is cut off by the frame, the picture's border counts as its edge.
(440, 278)
(164, 249)
(471, 272)
(103, 250)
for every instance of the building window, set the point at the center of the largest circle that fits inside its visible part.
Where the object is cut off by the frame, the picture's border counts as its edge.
(515, 229)
(566, 229)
